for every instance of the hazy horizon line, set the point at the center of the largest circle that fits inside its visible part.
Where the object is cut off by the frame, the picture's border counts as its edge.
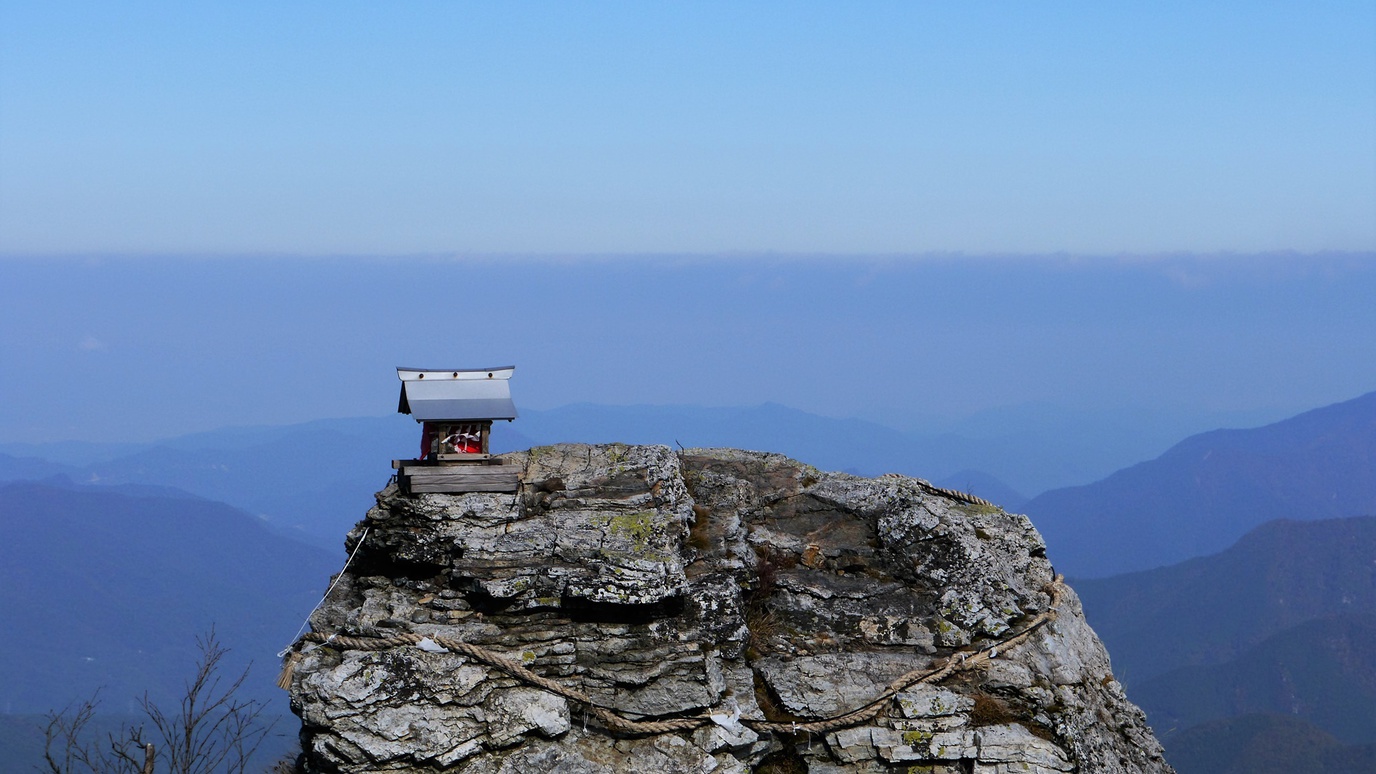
(1124, 256)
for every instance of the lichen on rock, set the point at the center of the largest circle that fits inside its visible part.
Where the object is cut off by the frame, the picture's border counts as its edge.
(708, 582)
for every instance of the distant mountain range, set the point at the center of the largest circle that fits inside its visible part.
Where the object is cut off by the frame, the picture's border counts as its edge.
(334, 466)
(1265, 744)
(1212, 609)
(1028, 448)
(311, 481)
(314, 480)
(104, 588)
(1322, 671)
(1209, 489)
(116, 556)
(1280, 625)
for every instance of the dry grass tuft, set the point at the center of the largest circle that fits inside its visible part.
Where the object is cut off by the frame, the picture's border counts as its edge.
(990, 711)
(699, 537)
(785, 761)
(762, 622)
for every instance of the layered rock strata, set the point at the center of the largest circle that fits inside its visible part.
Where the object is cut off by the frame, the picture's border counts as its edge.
(709, 582)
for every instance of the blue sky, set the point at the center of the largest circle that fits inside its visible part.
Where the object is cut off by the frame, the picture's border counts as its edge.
(460, 128)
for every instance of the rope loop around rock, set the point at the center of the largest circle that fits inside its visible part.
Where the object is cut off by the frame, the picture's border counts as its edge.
(614, 721)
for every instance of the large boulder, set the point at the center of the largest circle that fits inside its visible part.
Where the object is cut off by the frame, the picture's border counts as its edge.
(741, 595)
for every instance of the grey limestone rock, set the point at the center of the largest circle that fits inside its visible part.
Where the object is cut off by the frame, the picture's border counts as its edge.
(708, 582)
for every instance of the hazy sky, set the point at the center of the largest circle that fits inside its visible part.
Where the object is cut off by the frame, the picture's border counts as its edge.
(233, 213)
(449, 127)
(110, 350)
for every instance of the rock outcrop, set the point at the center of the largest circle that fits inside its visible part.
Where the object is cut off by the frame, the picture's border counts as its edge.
(730, 588)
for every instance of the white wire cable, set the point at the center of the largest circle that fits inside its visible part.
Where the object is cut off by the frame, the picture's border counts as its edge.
(333, 583)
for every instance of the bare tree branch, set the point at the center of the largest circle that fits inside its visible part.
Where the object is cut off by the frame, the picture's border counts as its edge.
(213, 730)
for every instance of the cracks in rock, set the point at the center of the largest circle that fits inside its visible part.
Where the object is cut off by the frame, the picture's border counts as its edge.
(589, 611)
(371, 562)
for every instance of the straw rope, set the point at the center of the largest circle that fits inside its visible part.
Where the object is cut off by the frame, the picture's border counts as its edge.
(614, 721)
(953, 494)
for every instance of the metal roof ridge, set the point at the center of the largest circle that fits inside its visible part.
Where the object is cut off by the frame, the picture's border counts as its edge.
(460, 370)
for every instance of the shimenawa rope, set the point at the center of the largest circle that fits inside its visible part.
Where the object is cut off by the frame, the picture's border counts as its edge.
(614, 721)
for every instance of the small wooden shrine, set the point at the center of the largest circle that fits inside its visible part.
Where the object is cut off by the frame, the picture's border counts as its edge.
(456, 409)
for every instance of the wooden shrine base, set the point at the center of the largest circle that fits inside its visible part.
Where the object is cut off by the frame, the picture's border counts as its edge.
(419, 477)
